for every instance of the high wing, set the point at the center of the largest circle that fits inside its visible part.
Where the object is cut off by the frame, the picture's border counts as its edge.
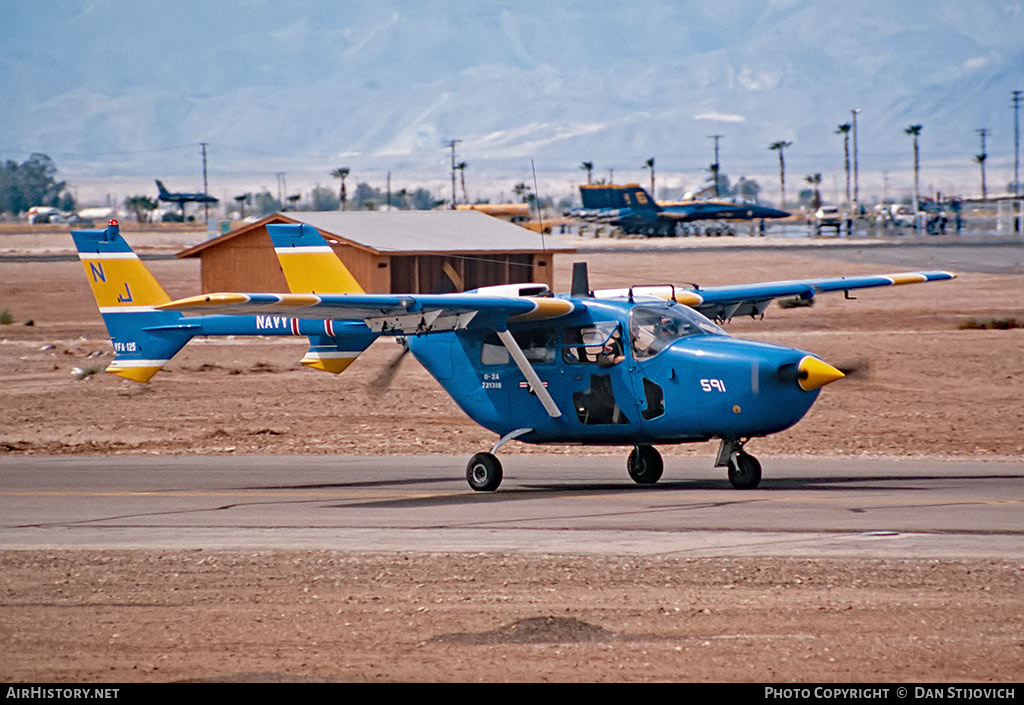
(396, 314)
(724, 302)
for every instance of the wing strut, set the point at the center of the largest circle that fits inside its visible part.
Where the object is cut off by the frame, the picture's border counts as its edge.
(536, 385)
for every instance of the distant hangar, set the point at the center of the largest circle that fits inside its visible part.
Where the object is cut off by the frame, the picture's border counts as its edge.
(392, 251)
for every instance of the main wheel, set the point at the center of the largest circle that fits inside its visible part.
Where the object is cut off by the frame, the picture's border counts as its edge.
(744, 471)
(645, 465)
(483, 472)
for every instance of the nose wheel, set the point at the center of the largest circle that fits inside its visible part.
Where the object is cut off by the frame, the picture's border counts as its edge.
(744, 471)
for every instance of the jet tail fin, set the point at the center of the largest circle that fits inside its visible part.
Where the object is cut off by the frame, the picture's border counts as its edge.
(614, 196)
(144, 338)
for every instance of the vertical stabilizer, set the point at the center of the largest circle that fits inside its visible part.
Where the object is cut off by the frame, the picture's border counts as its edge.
(309, 263)
(311, 267)
(144, 338)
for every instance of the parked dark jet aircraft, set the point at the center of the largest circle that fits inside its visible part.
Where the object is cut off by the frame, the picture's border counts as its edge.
(183, 198)
(631, 208)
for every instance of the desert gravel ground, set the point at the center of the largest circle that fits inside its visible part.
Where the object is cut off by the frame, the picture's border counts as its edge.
(923, 388)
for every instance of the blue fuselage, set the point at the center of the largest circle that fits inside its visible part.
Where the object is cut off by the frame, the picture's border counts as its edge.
(696, 385)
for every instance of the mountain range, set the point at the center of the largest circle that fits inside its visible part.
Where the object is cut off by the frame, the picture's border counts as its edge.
(119, 92)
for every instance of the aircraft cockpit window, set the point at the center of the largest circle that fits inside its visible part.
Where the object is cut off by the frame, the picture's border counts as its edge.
(536, 345)
(654, 327)
(599, 343)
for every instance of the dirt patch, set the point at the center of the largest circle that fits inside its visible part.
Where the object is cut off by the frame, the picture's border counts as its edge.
(130, 616)
(534, 630)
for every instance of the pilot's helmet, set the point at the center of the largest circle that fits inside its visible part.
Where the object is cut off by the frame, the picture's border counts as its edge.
(666, 326)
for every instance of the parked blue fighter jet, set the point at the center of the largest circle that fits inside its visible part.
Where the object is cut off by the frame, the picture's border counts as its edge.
(639, 367)
(631, 208)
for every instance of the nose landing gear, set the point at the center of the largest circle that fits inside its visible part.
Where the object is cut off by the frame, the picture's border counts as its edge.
(744, 469)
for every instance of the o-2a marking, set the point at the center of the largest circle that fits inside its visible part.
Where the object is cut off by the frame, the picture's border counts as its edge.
(712, 385)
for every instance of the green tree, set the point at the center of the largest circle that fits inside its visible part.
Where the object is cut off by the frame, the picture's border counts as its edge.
(32, 183)
(324, 199)
(461, 166)
(747, 189)
(142, 207)
(915, 131)
(587, 167)
(341, 173)
(815, 181)
(649, 164)
(781, 146)
(844, 130)
(264, 204)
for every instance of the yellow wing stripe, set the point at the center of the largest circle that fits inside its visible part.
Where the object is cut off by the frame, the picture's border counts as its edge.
(544, 309)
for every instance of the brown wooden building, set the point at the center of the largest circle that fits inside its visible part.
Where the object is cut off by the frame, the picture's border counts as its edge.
(395, 251)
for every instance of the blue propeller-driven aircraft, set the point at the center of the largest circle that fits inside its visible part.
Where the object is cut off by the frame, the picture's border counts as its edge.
(639, 367)
(632, 209)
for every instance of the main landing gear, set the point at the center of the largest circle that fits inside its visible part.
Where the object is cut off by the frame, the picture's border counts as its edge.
(645, 465)
(483, 472)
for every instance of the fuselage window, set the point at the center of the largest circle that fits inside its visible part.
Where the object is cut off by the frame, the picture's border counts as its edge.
(536, 344)
(599, 343)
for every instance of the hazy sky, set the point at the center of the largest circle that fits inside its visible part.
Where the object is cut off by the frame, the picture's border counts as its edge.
(117, 90)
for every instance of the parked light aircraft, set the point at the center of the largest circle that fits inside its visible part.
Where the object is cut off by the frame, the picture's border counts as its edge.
(631, 208)
(639, 367)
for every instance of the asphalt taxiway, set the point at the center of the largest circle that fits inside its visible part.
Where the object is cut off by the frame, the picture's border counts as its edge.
(547, 504)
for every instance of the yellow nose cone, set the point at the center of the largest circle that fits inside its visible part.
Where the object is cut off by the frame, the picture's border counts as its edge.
(815, 374)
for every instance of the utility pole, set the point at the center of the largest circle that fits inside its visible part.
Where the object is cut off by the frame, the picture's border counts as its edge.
(280, 188)
(206, 206)
(714, 166)
(981, 161)
(856, 181)
(451, 145)
(1016, 143)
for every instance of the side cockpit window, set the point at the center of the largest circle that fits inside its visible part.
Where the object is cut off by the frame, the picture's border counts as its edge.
(653, 327)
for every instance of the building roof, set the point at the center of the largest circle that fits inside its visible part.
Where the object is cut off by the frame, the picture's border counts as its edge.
(409, 232)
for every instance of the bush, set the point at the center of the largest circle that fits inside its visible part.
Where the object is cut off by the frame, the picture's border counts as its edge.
(990, 324)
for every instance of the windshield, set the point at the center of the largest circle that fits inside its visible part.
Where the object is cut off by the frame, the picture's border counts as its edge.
(653, 327)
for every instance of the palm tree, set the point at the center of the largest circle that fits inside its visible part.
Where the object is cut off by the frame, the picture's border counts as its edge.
(914, 131)
(242, 200)
(341, 173)
(587, 167)
(781, 145)
(461, 166)
(523, 191)
(649, 164)
(980, 158)
(815, 181)
(844, 130)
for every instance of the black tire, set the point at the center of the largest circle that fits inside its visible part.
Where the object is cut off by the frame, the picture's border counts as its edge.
(744, 471)
(483, 472)
(645, 465)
